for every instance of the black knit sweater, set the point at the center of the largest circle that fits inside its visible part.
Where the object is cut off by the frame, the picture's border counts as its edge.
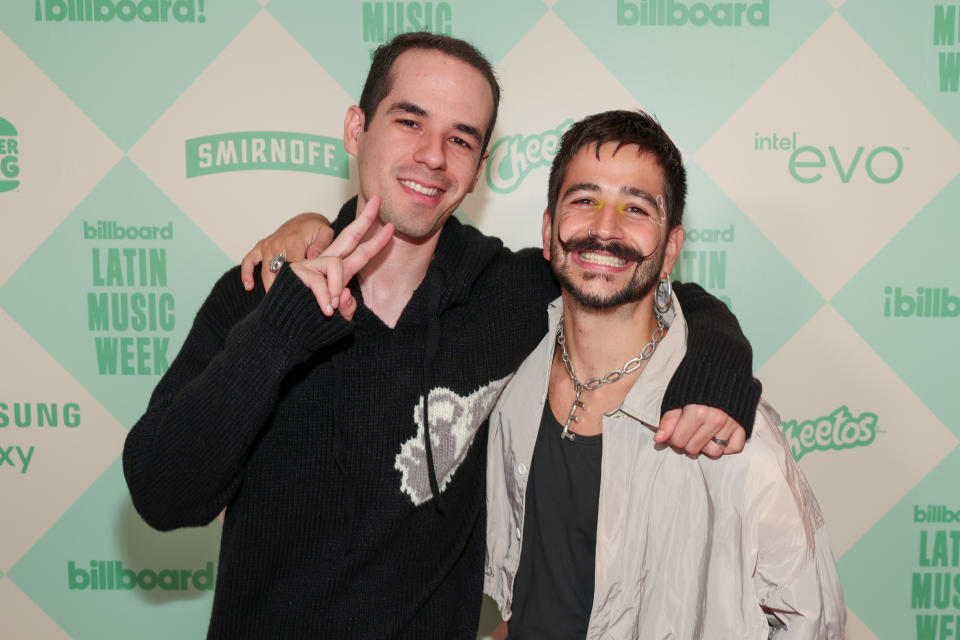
(309, 430)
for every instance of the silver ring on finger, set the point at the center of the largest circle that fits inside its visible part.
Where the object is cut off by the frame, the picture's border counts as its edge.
(720, 442)
(277, 262)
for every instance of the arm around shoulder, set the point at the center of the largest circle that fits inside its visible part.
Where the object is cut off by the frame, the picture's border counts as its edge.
(717, 370)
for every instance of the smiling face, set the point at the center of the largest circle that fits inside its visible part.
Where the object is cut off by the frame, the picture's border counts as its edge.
(607, 240)
(421, 150)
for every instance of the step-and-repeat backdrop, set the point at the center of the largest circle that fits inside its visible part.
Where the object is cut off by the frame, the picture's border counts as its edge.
(146, 144)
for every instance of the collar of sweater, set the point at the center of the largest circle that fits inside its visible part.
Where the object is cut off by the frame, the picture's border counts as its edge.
(461, 255)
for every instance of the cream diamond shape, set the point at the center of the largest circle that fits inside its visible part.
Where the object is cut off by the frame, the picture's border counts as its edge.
(249, 87)
(855, 486)
(63, 155)
(856, 630)
(22, 618)
(882, 156)
(63, 461)
(537, 72)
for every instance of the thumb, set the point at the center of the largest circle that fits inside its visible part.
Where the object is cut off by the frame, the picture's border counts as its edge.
(668, 424)
(348, 304)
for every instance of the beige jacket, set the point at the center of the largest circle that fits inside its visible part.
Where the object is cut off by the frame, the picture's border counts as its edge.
(686, 548)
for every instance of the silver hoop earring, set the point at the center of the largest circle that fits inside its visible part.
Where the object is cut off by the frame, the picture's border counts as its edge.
(662, 297)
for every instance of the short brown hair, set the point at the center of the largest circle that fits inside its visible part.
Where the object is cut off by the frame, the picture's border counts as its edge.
(624, 128)
(380, 81)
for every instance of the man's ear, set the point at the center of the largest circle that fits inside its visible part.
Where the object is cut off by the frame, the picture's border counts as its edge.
(353, 124)
(672, 250)
(547, 232)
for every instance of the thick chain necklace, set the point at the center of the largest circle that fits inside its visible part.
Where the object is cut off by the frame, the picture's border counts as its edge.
(595, 383)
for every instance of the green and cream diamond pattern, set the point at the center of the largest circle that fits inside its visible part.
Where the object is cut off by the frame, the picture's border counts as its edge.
(145, 145)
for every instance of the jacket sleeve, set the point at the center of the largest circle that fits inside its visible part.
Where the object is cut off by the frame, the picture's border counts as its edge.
(795, 574)
(184, 459)
(718, 368)
(811, 605)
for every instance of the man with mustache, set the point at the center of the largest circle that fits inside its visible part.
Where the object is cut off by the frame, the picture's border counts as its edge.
(592, 530)
(341, 417)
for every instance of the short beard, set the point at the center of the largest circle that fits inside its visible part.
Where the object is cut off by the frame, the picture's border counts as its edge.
(646, 273)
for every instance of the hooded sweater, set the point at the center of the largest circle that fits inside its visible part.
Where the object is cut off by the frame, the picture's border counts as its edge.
(312, 433)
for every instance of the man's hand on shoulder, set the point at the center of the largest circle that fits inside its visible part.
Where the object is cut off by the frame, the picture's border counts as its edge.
(693, 428)
(304, 236)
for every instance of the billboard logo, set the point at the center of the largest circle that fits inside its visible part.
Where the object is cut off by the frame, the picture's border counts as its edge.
(111, 575)
(383, 20)
(935, 514)
(930, 302)
(808, 163)
(9, 157)
(946, 33)
(674, 13)
(707, 266)
(266, 150)
(513, 157)
(839, 430)
(122, 10)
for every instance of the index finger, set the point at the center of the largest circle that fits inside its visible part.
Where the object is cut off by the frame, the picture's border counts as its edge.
(353, 233)
(249, 262)
(359, 258)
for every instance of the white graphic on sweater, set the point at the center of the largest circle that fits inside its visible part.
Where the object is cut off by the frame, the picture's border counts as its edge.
(454, 421)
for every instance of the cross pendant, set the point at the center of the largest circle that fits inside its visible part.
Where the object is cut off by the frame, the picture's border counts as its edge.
(569, 435)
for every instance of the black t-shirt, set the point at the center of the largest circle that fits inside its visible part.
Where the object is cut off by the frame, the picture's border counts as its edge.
(553, 589)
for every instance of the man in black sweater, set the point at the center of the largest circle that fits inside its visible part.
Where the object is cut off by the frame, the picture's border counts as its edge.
(341, 420)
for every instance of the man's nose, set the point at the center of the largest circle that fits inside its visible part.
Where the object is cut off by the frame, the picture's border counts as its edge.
(430, 151)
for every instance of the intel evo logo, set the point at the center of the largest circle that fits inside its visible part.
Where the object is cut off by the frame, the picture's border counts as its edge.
(111, 575)
(9, 157)
(946, 33)
(929, 302)
(383, 20)
(266, 150)
(673, 13)
(513, 157)
(809, 163)
(839, 430)
(122, 10)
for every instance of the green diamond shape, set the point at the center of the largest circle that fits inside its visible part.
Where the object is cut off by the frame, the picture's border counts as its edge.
(123, 74)
(693, 77)
(53, 303)
(103, 526)
(893, 550)
(910, 39)
(494, 26)
(771, 299)
(921, 350)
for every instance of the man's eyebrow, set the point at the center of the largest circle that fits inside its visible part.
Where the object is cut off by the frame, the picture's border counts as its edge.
(470, 130)
(581, 186)
(409, 107)
(417, 110)
(636, 192)
(639, 193)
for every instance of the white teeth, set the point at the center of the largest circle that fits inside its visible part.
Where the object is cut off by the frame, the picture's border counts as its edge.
(596, 258)
(419, 188)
